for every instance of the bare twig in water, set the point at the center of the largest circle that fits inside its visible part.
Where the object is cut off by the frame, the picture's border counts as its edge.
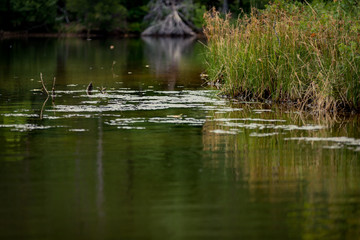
(89, 88)
(53, 90)
(53, 87)
(48, 95)
(43, 85)
(42, 108)
(102, 90)
(112, 70)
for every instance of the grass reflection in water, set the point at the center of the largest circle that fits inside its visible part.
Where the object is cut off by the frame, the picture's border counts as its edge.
(290, 157)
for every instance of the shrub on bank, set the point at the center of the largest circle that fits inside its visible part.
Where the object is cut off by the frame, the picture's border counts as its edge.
(293, 52)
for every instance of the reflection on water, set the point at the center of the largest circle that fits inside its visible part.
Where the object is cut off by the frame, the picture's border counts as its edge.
(310, 162)
(158, 156)
(166, 56)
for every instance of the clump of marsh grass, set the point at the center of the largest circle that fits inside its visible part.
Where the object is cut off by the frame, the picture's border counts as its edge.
(290, 52)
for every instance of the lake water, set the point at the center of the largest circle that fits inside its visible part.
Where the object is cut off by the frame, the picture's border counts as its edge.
(158, 155)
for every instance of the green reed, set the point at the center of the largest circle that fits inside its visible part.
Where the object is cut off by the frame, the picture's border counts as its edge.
(290, 52)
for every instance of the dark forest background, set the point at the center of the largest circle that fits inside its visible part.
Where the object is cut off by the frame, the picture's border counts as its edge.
(99, 16)
(103, 16)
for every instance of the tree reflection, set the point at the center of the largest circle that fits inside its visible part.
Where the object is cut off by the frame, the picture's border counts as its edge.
(100, 176)
(165, 55)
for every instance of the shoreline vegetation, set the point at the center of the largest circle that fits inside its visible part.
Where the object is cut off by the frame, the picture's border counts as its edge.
(298, 54)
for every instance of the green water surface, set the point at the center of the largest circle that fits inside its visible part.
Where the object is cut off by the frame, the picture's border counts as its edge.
(159, 155)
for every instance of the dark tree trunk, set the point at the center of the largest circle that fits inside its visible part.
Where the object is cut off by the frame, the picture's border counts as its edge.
(225, 7)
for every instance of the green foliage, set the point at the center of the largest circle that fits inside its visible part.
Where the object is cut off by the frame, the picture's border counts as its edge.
(73, 27)
(135, 18)
(108, 15)
(137, 10)
(28, 15)
(307, 54)
(136, 27)
(198, 15)
(79, 7)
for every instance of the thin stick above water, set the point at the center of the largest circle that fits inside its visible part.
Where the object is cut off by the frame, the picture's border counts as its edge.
(43, 85)
(53, 87)
(53, 91)
(42, 108)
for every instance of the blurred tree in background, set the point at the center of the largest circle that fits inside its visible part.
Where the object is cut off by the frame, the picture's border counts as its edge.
(36, 15)
(114, 16)
(99, 15)
(137, 9)
(173, 17)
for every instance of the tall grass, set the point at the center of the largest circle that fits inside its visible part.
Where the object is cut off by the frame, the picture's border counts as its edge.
(292, 52)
